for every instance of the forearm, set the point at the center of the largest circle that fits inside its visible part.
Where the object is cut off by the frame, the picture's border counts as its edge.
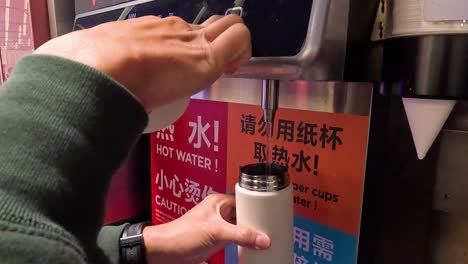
(64, 130)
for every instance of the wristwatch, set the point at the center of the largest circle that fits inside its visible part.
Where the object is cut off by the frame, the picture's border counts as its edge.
(131, 244)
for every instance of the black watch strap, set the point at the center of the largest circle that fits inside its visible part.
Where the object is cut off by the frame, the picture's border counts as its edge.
(132, 249)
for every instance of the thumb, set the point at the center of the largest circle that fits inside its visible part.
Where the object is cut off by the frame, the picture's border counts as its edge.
(245, 236)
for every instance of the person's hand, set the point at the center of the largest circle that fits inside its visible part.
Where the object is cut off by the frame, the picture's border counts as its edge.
(159, 60)
(200, 233)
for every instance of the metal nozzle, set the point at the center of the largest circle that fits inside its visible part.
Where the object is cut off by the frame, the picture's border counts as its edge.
(262, 177)
(270, 94)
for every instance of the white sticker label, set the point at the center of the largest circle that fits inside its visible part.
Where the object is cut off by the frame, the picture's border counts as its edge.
(445, 10)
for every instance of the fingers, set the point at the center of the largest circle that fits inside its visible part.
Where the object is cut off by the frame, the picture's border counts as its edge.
(211, 20)
(143, 20)
(176, 23)
(225, 232)
(217, 26)
(195, 27)
(226, 208)
(233, 46)
(244, 236)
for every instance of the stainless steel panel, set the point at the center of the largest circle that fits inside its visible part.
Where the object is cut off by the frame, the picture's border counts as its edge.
(61, 16)
(444, 10)
(458, 119)
(322, 56)
(450, 190)
(406, 18)
(331, 97)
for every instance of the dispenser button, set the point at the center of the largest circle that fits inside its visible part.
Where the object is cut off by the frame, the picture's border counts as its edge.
(235, 11)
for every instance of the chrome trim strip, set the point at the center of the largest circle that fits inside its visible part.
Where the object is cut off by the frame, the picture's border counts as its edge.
(331, 97)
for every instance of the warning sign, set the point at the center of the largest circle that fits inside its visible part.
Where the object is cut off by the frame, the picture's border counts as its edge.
(325, 154)
(189, 160)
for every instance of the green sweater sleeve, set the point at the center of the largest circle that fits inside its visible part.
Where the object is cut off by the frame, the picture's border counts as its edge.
(65, 128)
(108, 241)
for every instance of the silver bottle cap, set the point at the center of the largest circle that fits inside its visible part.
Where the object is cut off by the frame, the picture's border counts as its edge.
(257, 177)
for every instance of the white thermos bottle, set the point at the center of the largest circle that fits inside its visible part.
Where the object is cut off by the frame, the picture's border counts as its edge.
(264, 201)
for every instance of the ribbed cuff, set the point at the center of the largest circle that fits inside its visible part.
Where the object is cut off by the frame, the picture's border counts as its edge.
(108, 241)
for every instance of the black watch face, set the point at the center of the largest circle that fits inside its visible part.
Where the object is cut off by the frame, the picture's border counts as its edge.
(278, 27)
